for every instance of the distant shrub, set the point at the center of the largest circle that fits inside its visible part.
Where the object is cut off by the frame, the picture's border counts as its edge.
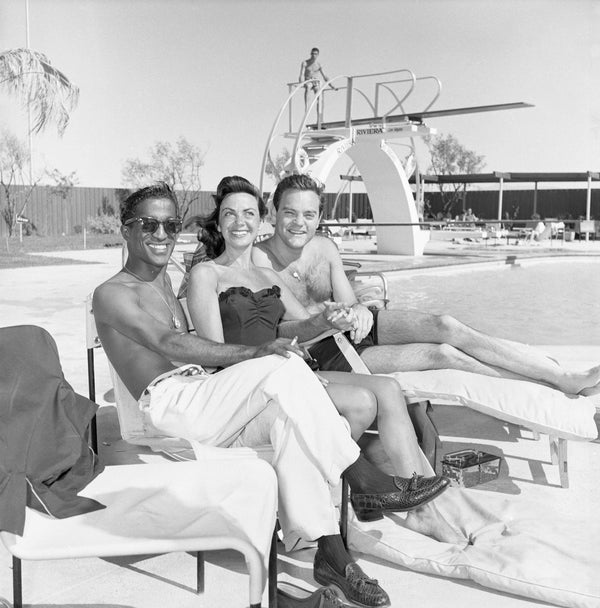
(77, 229)
(104, 224)
(106, 208)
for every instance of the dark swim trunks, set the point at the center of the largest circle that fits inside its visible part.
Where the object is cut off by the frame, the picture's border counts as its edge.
(330, 358)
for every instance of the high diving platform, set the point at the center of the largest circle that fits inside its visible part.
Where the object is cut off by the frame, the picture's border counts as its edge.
(366, 118)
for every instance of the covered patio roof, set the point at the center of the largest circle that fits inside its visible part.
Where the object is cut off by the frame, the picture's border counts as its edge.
(498, 176)
(502, 177)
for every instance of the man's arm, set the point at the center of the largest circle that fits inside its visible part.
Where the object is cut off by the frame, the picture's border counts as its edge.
(343, 292)
(117, 306)
(298, 322)
(325, 77)
(334, 316)
(302, 68)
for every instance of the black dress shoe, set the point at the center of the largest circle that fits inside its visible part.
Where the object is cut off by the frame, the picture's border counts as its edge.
(412, 493)
(355, 585)
(292, 596)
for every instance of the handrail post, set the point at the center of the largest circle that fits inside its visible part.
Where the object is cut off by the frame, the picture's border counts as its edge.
(349, 101)
(500, 183)
(588, 204)
(290, 121)
(320, 103)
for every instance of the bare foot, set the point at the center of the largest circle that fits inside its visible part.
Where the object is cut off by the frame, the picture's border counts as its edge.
(428, 520)
(577, 382)
(591, 390)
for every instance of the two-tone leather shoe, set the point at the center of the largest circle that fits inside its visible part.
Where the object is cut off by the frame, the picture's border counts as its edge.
(292, 596)
(354, 584)
(411, 493)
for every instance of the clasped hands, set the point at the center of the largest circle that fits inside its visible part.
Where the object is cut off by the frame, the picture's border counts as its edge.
(355, 318)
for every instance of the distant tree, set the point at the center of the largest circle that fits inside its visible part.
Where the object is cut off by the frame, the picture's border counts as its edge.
(450, 157)
(62, 188)
(49, 94)
(276, 168)
(14, 181)
(176, 164)
(106, 207)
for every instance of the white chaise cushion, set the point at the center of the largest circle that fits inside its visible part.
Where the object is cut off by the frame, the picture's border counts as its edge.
(535, 406)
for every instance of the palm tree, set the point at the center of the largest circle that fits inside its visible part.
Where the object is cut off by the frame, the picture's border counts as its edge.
(45, 90)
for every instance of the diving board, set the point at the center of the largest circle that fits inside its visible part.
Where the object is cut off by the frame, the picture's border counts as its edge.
(419, 117)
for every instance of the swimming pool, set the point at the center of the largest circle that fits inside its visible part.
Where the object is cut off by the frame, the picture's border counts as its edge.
(537, 302)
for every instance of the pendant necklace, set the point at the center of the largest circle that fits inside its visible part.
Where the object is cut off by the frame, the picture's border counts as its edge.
(295, 274)
(174, 319)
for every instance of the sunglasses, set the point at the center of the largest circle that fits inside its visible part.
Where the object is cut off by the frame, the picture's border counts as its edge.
(172, 225)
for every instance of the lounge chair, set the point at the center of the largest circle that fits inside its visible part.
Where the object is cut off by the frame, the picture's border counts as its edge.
(534, 419)
(160, 508)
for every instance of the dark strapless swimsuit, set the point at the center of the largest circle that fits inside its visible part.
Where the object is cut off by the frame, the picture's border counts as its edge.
(250, 317)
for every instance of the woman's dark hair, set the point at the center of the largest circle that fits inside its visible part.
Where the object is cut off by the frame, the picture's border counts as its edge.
(158, 190)
(208, 234)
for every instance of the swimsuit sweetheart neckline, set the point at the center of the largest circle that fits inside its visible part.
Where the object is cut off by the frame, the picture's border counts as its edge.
(245, 291)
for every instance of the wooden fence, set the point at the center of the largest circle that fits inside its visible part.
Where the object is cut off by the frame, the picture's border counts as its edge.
(53, 216)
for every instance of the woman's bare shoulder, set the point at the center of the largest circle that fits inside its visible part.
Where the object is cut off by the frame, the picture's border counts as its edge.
(205, 267)
(205, 272)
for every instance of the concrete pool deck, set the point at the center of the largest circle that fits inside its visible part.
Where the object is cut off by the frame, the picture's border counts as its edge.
(53, 297)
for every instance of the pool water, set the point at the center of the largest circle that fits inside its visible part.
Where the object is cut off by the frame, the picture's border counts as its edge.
(537, 302)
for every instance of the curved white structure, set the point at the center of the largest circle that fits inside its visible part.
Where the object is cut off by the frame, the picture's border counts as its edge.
(390, 196)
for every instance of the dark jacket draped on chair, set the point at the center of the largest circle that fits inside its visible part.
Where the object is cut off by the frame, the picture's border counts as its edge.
(45, 459)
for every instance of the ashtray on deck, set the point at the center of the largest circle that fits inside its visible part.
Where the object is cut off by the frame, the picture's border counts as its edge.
(467, 468)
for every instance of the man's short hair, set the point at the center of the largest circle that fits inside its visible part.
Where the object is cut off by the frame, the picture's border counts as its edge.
(298, 182)
(315, 49)
(158, 190)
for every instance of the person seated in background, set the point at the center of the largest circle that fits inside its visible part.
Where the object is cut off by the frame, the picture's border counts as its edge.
(232, 300)
(507, 223)
(541, 231)
(264, 394)
(389, 340)
(469, 216)
(538, 229)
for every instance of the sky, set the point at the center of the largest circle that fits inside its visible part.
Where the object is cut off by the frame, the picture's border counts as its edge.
(215, 72)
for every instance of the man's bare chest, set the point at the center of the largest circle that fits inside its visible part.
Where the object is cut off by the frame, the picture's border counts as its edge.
(310, 282)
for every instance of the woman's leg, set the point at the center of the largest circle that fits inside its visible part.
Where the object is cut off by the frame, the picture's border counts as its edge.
(400, 443)
(393, 422)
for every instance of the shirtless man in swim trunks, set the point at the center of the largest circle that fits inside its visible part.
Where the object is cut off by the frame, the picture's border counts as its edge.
(312, 69)
(264, 394)
(389, 340)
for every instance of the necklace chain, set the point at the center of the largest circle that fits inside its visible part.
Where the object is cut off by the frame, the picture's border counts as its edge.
(288, 268)
(174, 319)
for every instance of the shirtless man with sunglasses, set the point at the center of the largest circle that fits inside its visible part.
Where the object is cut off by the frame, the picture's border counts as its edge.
(264, 394)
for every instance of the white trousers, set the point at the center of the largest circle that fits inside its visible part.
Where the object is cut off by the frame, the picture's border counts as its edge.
(274, 400)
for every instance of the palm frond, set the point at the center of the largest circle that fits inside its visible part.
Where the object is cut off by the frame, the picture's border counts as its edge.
(49, 94)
